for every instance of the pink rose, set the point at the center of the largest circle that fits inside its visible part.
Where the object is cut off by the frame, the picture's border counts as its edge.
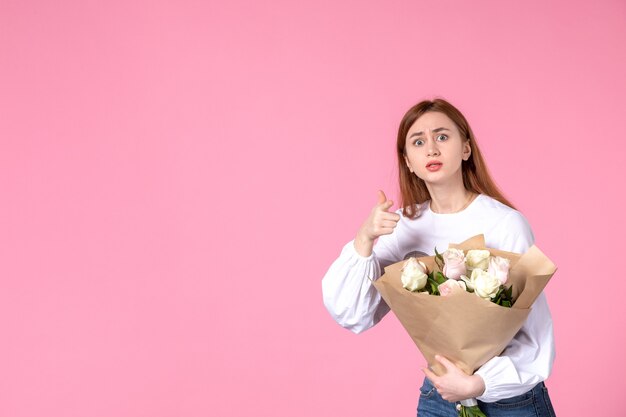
(450, 286)
(499, 268)
(454, 263)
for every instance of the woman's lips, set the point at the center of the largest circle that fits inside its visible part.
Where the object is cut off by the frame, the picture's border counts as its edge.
(434, 166)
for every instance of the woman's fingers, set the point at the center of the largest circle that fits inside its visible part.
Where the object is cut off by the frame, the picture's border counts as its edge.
(434, 379)
(446, 363)
(381, 197)
(382, 203)
(384, 206)
(390, 216)
(388, 223)
(381, 221)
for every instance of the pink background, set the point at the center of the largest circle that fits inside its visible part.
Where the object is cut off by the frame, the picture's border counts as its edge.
(177, 176)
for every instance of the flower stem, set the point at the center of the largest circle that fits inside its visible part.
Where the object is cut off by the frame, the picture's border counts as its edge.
(472, 411)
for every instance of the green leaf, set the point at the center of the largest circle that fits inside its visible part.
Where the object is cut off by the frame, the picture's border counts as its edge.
(473, 411)
(499, 293)
(438, 259)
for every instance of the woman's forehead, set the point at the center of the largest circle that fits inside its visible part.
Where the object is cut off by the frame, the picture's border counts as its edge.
(430, 121)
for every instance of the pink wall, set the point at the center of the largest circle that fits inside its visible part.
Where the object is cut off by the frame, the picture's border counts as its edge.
(177, 176)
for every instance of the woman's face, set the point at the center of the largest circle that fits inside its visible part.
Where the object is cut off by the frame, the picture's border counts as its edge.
(434, 138)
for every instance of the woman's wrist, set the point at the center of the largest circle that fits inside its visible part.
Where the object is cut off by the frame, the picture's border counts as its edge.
(478, 386)
(363, 244)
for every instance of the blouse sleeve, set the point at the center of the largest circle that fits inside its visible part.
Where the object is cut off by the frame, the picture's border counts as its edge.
(528, 358)
(348, 293)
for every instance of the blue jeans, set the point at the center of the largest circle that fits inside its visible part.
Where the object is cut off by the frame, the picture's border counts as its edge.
(534, 403)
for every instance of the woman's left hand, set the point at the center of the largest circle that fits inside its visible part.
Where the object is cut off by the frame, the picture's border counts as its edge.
(455, 385)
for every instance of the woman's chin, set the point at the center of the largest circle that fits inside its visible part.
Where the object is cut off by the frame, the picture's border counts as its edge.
(436, 178)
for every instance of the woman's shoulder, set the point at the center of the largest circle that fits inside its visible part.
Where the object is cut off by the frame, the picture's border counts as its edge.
(500, 210)
(513, 228)
(492, 203)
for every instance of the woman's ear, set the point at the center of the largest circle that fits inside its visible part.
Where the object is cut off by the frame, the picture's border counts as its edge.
(467, 150)
(406, 160)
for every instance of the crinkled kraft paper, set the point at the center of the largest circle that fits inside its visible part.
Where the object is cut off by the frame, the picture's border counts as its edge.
(463, 327)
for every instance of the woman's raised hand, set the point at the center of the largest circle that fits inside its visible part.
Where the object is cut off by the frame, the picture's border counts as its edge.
(379, 222)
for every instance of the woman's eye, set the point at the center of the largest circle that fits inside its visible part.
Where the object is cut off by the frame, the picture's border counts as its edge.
(442, 136)
(418, 142)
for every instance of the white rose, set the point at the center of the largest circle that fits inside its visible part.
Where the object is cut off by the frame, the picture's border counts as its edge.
(477, 258)
(454, 263)
(499, 268)
(414, 275)
(485, 285)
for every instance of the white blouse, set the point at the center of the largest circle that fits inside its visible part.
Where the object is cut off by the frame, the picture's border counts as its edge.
(355, 304)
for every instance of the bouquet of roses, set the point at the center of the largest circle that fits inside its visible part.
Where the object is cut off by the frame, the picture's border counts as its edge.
(487, 275)
(457, 304)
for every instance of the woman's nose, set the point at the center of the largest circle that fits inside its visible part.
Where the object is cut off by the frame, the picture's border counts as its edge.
(432, 148)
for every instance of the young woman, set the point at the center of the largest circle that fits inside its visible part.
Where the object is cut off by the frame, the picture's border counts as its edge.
(447, 196)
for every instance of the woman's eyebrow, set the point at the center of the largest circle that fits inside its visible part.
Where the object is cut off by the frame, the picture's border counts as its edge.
(439, 129)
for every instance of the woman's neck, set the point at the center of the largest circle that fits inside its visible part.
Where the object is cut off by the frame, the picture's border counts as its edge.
(445, 201)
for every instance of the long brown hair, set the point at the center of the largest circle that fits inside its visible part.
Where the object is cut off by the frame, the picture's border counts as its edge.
(476, 176)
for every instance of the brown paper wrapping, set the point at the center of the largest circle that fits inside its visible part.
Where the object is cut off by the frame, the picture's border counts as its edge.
(463, 327)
